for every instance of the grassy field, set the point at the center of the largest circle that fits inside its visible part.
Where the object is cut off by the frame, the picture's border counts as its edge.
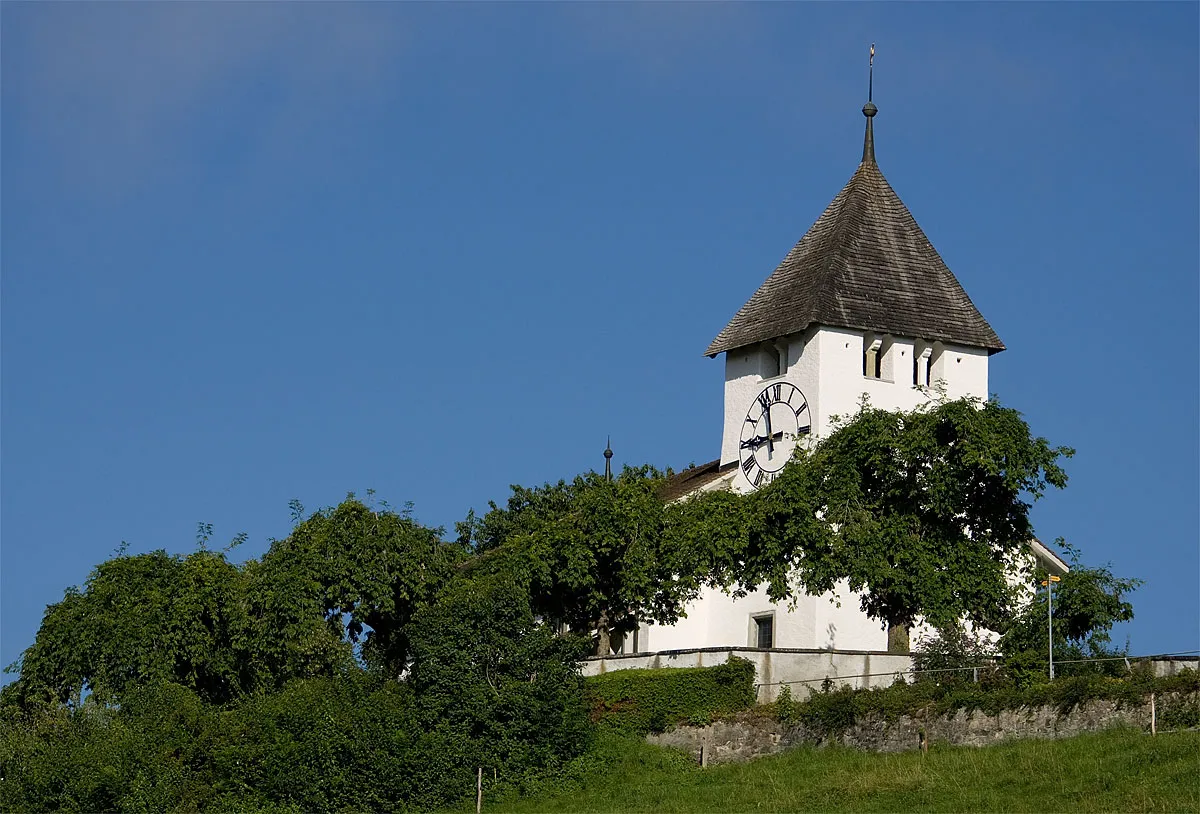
(1119, 771)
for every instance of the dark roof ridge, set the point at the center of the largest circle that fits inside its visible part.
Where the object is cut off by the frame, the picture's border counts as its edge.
(826, 292)
(823, 288)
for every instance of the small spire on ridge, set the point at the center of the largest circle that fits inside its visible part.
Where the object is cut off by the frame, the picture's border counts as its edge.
(869, 110)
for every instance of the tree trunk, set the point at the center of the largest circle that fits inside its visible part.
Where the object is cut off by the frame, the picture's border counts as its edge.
(897, 637)
(603, 645)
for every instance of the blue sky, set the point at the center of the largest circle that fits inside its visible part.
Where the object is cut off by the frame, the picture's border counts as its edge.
(256, 252)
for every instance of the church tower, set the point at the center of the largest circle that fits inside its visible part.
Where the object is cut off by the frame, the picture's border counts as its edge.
(862, 305)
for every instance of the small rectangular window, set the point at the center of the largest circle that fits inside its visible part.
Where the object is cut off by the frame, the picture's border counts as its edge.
(764, 628)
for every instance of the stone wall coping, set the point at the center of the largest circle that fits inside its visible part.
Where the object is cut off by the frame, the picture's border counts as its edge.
(690, 650)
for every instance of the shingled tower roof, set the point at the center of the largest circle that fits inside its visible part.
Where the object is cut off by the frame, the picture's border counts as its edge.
(865, 264)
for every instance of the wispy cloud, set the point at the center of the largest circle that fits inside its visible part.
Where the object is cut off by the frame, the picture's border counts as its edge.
(121, 92)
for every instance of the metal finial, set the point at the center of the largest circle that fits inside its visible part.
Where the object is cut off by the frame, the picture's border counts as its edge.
(869, 110)
(608, 459)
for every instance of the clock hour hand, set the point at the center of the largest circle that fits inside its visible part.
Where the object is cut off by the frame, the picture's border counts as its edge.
(758, 440)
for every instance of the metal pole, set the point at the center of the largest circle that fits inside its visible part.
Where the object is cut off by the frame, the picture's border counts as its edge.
(1050, 621)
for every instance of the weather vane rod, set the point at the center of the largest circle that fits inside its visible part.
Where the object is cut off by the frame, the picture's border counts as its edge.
(871, 73)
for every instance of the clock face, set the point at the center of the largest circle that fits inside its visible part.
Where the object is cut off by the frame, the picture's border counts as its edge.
(775, 421)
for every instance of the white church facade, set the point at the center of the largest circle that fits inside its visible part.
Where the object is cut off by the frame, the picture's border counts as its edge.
(862, 305)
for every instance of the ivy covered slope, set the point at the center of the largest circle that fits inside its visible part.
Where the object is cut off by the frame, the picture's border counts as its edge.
(831, 712)
(644, 701)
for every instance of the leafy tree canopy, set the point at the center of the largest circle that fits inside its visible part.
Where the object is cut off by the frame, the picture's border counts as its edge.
(1087, 603)
(346, 577)
(922, 512)
(139, 620)
(360, 571)
(596, 553)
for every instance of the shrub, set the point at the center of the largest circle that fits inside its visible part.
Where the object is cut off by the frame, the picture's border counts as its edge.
(643, 701)
(787, 711)
(1179, 713)
(947, 657)
(831, 712)
(493, 687)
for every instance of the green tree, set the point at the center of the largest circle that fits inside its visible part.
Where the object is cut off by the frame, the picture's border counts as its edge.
(595, 553)
(347, 577)
(921, 512)
(140, 620)
(355, 572)
(1087, 603)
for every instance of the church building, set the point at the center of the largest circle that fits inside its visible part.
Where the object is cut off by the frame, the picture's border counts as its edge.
(862, 305)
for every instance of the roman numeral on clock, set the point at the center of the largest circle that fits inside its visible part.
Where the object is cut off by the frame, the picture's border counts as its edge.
(748, 465)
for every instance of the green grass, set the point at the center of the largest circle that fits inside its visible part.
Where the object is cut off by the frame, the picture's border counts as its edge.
(1121, 771)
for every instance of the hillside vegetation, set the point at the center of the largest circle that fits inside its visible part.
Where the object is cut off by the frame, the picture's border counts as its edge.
(1118, 770)
(369, 662)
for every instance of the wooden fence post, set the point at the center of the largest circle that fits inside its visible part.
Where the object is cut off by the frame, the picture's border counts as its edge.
(1153, 717)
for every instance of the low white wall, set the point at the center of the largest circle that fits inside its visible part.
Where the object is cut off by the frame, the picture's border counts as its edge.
(802, 670)
(1170, 666)
(806, 670)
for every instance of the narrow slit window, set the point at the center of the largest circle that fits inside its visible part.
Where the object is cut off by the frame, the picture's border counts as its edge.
(922, 366)
(772, 365)
(873, 359)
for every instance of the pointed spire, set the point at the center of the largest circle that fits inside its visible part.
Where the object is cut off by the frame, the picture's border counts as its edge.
(608, 459)
(869, 110)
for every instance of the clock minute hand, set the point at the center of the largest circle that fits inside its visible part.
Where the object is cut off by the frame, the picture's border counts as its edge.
(758, 440)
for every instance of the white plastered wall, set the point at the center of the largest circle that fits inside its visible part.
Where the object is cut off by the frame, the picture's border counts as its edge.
(827, 365)
(842, 385)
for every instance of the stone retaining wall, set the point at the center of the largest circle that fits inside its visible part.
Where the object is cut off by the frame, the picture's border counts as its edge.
(752, 734)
